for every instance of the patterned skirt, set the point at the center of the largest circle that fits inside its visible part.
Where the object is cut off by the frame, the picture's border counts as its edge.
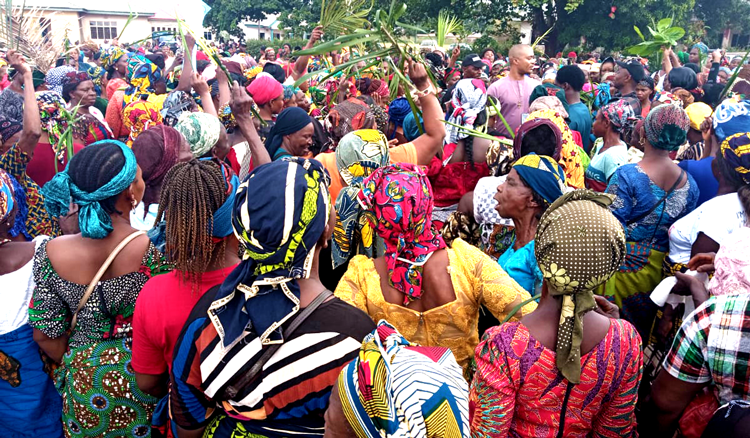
(99, 392)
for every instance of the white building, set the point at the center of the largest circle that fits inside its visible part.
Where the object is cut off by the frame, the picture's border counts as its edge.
(267, 29)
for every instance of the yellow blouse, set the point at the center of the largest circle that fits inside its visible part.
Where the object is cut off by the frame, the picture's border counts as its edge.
(476, 279)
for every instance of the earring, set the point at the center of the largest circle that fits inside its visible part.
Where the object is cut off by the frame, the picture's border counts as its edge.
(133, 204)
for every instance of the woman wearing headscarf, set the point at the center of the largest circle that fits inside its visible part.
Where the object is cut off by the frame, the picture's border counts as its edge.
(268, 94)
(644, 91)
(54, 78)
(397, 111)
(534, 182)
(138, 116)
(609, 151)
(93, 344)
(291, 135)
(650, 196)
(350, 115)
(431, 293)
(156, 151)
(90, 126)
(563, 370)
(281, 263)
(204, 134)
(196, 203)
(115, 63)
(573, 159)
(702, 359)
(176, 103)
(697, 112)
(145, 83)
(697, 52)
(29, 403)
(409, 381)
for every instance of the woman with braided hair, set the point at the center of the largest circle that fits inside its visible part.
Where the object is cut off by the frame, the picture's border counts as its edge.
(196, 204)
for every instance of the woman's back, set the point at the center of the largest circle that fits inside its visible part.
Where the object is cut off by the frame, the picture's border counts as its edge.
(456, 283)
(507, 400)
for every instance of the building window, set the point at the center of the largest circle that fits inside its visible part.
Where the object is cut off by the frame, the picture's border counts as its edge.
(103, 30)
(262, 35)
(207, 36)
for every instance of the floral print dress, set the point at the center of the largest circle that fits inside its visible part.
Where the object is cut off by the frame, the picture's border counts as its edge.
(96, 380)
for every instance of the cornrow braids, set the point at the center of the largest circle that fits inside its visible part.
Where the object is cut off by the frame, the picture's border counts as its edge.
(191, 193)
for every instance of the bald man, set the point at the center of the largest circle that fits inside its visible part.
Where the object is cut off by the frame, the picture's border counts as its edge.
(512, 92)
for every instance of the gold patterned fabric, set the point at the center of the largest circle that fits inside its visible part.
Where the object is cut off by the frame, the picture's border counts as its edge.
(477, 280)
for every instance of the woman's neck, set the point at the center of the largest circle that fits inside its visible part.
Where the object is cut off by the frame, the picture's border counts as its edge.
(265, 113)
(526, 226)
(229, 258)
(611, 139)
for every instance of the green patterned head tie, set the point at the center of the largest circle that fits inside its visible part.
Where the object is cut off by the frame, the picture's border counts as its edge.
(579, 245)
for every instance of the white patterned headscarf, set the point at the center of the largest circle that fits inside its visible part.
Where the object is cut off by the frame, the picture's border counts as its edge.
(469, 99)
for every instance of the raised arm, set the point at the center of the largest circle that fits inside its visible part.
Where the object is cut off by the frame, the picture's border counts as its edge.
(187, 66)
(429, 143)
(240, 104)
(225, 94)
(300, 66)
(204, 91)
(32, 124)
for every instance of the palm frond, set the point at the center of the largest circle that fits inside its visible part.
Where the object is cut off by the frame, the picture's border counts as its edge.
(446, 25)
(339, 17)
(22, 28)
(541, 38)
(132, 16)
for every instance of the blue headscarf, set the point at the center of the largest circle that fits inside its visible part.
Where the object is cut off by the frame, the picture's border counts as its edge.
(6, 195)
(223, 216)
(411, 130)
(397, 112)
(702, 47)
(278, 230)
(288, 122)
(22, 210)
(731, 118)
(93, 221)
(543, 175)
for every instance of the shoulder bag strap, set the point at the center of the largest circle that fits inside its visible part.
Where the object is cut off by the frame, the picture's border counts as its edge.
(248, 377)
(101, 272)
(664, 198)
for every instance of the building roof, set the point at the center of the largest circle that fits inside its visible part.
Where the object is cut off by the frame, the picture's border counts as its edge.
(141, 7)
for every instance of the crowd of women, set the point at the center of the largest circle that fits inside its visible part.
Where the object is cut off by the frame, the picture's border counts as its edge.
(542, 248)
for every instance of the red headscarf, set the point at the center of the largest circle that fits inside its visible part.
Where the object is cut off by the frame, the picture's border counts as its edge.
(264, 89)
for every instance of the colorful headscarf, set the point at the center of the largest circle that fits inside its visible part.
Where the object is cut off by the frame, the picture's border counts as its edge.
(22, 210)
(399, 196)
(684, 95)
(398, 389)
(176, 103)
(411, 127)
(619, 113)
(732, 276)
(97, 74)
(702, 47)
(549, 90)
(469, 99)
(731, 117)
(666, 127)
(348, 116)
(139, 116)
(698, 113)
(9, 128)
(397, 111)
(156, 151)
(6, 196)
(53, 115)
(579, 245)
(549, 103)
(142, 80)
(602, 95)
(55, 77)
(358, 155)
(543, 175)
(111, 56)
(573, 158)
(264, 89)
(278, 231)
(72, 80)
(201, 131)
(251, 73)
(93, 221)
(735, 150)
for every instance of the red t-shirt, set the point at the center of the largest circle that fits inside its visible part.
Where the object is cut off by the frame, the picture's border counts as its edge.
(41, 168)
(162, 307)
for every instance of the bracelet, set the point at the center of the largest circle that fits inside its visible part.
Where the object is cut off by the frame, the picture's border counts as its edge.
(426, 91)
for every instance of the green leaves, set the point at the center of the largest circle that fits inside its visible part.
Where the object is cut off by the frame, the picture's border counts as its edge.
(665, 35)
(342, 16)
(446, 24)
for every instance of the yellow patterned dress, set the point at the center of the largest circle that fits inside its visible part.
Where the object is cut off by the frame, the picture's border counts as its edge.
(477, 280)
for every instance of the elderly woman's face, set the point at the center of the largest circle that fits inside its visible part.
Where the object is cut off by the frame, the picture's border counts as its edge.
(277, 104)
(299, 143)
(513, 196)
(84, 94)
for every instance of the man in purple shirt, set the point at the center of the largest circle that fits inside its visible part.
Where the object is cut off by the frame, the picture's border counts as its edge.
(512, 92)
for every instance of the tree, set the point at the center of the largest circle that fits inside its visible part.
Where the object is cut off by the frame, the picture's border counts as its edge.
(719, 15)
(226, 15)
